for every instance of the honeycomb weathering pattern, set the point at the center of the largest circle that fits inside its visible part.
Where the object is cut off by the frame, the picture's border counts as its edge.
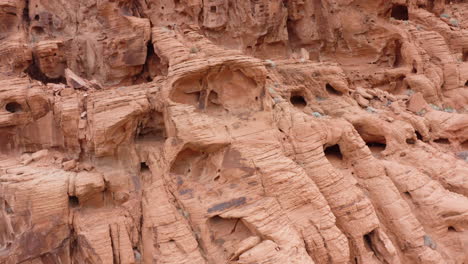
(234, 131)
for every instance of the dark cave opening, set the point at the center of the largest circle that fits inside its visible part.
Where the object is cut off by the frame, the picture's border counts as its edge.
(36, 74)
(13, 107)
(333, 152)
(367, 240)
(73, 201)
(419, 136)
(153, 128)
(144, 166)
(298, 100)
(400, 12)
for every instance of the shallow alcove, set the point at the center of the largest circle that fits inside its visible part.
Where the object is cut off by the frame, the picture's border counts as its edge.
(442, 141)
(465, 54)
(38, 30)
(407, 195)
(374, 141)
(152, 128)
(213, 102)
(185, 162)
(464, 145)
(13, 107)
(226, 232)
(376, 147)
(400, 12)
(398, 57)
(430, 4)
(331, 90)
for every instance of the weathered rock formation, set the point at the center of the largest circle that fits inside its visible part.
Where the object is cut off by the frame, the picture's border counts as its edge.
(233, 131)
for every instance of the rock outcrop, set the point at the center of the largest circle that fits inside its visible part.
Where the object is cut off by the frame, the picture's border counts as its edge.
(230, 131)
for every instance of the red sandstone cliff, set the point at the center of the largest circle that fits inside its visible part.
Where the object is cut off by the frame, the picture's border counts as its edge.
(233, 131)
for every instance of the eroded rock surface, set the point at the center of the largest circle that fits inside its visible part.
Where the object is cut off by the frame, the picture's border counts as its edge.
(232, 131)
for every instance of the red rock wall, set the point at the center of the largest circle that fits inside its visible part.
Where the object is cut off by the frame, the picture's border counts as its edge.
(231, 131)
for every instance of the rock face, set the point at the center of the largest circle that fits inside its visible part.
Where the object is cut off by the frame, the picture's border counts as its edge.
(234, 131)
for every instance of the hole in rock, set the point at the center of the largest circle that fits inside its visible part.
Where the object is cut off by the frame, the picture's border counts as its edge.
(153, 66)
(451, 229)
(442, 141)
(73, 201)
(13, 107)
(333, 152)
(466, 83)
(465, 55)
(400, 12)
(369, 244)
(144, 166)
(332, 90)
(368, 240)
(298, 100)
(217, 178)
(36, 17)
(418, 135)
(407, 195)
(410, 141)
(213, 9)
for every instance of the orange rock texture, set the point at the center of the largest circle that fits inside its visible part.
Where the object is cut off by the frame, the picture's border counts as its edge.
(233, 131)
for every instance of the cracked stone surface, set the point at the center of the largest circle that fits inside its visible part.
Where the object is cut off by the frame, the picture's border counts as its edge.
(233, 131)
